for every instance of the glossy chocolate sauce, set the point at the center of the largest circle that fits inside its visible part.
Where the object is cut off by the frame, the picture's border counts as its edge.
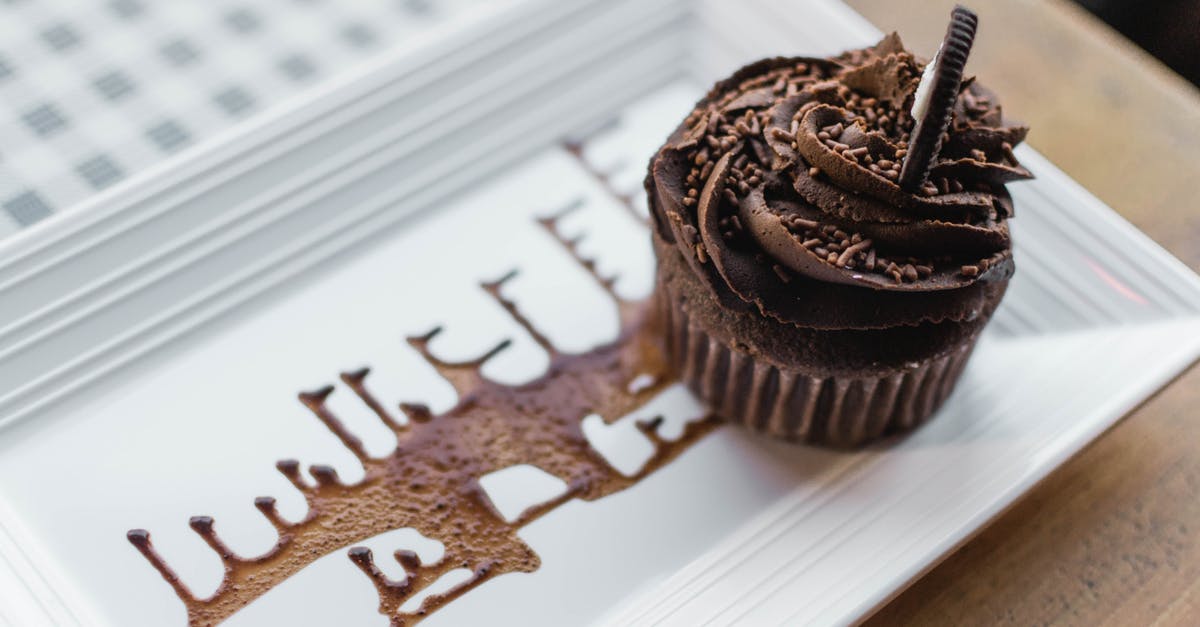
(430, 482)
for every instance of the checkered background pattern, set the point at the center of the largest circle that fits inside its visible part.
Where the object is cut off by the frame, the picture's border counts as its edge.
(93, 91)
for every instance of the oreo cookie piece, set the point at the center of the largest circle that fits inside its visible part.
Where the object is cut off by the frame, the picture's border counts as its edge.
(933, 104)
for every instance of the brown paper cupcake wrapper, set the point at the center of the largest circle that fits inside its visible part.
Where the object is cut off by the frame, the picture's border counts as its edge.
(841, 411)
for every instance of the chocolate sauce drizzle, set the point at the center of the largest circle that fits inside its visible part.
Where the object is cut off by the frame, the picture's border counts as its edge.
(576, 149)
(430, 482)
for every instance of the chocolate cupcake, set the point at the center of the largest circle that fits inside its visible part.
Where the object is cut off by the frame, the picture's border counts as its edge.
(826, 261)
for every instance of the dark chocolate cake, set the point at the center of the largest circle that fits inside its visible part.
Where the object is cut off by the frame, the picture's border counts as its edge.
(831, 238)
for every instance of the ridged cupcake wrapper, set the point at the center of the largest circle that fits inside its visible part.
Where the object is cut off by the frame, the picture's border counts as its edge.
(840, 411)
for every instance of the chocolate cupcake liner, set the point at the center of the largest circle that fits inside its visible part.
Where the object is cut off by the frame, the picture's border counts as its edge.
(832, 410)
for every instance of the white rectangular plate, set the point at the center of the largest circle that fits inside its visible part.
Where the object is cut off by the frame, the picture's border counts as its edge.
(151, 348)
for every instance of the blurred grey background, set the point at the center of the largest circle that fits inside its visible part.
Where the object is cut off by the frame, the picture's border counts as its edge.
(1167, 29)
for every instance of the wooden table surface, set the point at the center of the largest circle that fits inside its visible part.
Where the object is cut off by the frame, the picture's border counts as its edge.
(1112, 537)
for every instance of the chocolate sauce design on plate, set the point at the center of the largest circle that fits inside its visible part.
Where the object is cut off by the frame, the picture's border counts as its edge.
(576, 148)
(430, 482)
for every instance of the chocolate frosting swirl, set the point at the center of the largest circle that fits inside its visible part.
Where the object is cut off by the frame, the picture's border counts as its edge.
(780, 190)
